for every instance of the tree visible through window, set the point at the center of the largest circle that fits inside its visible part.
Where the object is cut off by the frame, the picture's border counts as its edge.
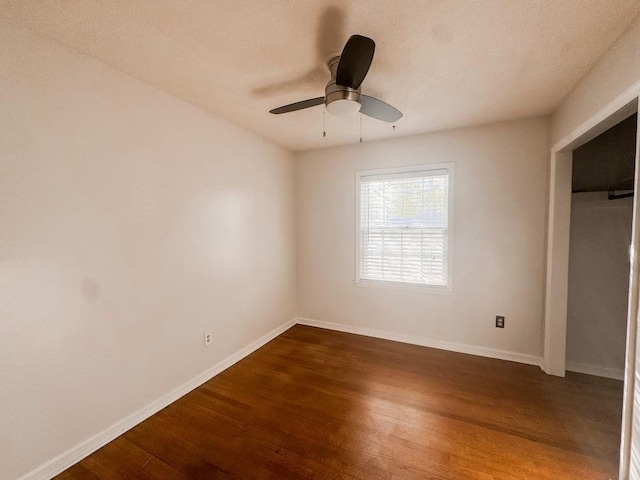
(403, 228)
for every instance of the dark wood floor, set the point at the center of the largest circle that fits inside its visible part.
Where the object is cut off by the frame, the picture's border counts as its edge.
(320, 404)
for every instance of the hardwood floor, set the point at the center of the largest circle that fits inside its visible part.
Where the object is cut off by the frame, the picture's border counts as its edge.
(316, 404)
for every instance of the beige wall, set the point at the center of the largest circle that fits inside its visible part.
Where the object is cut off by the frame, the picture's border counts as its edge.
(617, 71)
(130, 224)
(598, 283)
(498, 239)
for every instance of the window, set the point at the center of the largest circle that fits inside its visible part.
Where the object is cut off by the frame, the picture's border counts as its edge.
(403, 227)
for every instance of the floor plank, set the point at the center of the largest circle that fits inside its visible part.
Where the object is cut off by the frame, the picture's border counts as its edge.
(317, 404)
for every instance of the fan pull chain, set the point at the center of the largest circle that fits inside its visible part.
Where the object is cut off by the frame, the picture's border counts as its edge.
(360, 128)
(324, 125)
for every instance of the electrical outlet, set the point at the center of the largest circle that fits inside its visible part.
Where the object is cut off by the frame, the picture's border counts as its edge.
(207, 339)
(499, 321)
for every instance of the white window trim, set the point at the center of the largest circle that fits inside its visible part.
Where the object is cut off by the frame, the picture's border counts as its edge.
(412, 287)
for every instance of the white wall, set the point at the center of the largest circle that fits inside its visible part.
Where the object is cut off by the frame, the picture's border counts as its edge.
(598, 283)
(130, 224)
(617, 71)
(498, 239)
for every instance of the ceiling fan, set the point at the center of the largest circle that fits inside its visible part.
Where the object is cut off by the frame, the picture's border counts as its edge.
(343, 95)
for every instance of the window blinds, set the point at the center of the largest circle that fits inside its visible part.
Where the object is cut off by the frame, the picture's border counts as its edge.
(403, 227)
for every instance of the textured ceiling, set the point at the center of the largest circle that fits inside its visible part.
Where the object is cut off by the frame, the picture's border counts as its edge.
(444, 63)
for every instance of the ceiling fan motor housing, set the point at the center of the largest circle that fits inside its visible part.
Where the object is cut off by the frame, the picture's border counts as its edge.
(339, 99)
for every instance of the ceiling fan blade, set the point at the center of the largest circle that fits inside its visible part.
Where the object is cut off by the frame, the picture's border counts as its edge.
(312, 102)
(372, 107)
(355, 61)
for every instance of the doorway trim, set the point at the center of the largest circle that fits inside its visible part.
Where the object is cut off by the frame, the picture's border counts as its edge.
(557, 263)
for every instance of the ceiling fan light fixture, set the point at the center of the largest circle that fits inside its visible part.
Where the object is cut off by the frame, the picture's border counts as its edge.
(342, 101)
(343, 107)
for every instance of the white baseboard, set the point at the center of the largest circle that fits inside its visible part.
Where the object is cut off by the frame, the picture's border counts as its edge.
(86, 448)
(426, 342)
(607, 372)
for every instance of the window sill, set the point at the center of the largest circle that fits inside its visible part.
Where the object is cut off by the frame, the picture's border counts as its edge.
(407, 287)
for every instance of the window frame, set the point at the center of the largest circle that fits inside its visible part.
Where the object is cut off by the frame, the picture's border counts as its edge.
(414, 287)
